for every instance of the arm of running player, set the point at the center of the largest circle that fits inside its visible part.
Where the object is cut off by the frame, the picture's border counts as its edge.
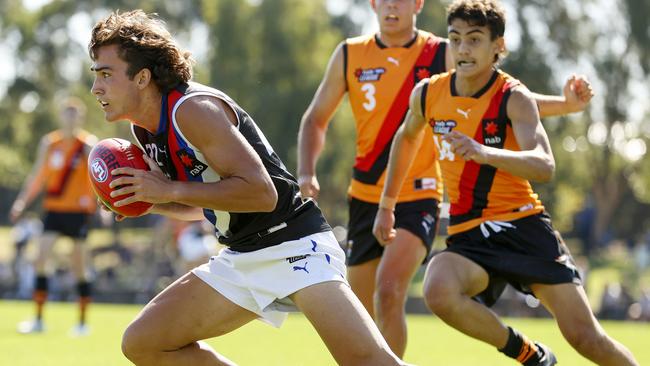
(533, 162)
(406, 143)
(313, 126)
(577, 95)
(210, 125)
(33, 184)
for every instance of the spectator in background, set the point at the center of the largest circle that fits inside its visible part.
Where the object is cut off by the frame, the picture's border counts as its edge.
(615, 302)
(196, 243)
(24, 230)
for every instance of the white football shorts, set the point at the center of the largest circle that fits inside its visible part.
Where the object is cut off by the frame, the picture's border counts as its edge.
(260, 281)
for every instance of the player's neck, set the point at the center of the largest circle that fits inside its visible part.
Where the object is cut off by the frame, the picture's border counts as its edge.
(148, 112)
(466, 86)
(398, 39)
(70, 133)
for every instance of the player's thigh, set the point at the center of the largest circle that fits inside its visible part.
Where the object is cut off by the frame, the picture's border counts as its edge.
(449, 272)
(338, 317)
(186, 311)
(80, 256)
(46, 244)
(401, 260)
(569, 305)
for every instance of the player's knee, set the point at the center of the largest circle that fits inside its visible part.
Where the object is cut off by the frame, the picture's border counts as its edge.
(389, 296)
(134, 345)
(439, 297)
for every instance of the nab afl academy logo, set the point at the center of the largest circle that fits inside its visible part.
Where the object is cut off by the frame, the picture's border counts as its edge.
(442, 127)
(99, 170)
(365, 75)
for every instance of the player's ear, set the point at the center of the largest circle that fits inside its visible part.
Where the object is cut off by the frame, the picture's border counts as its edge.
(500, 47)
(418, 6)
(373, 5)
(143, 77)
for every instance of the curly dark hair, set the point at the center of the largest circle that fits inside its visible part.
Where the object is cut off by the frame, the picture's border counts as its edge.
(144, 43)
(480, 13)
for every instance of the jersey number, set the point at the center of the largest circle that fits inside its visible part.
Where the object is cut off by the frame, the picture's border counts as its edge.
(444, 149)
(370, 90)
(152, 151)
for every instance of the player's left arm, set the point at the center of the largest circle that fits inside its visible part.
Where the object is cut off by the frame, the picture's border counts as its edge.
(533, 162)
(577, 94)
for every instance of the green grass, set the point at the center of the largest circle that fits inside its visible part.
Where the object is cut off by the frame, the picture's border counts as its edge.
(430, 341)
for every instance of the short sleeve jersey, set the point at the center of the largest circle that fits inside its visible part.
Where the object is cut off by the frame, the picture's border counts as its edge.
(379, 82)
(477, 193)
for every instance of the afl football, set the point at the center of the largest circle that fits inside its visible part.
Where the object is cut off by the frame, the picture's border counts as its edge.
(110, 154)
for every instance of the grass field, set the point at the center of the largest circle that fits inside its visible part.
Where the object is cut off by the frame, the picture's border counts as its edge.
(296, 343)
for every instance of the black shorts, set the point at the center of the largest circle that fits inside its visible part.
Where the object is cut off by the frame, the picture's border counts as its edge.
(418, 217)
(72, 224)
(528, 252)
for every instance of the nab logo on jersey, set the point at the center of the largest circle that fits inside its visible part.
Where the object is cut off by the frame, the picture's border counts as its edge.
(491, 136)
(373, 74)
(442, 127)
(421, 72)
(190, 163)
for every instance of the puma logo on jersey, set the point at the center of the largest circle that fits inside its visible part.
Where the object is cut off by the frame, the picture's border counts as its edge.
(393, 60)
(442, 127)
(372, 74)
(464, 113)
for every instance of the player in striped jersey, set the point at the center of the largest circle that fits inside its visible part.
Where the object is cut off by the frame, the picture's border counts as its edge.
(490, 143)
(378, 72)
(69, 203)
(208, 158)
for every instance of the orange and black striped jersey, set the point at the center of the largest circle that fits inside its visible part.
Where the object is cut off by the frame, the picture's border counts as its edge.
(477, 193)
(379, 81)
(65, 173)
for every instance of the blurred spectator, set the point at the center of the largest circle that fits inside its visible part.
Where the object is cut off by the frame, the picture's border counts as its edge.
(24, 230)
(196, 244)
(614, 302)
(642, 252)
(641, 310)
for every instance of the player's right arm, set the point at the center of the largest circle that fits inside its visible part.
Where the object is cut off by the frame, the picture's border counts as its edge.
(313, 126)
(402, 153)
(33, 184)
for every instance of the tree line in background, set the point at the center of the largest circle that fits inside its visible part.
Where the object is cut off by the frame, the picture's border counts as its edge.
(270, 55)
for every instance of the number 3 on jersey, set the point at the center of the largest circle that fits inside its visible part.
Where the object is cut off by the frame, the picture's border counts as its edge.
(444, 149)
(370, 90)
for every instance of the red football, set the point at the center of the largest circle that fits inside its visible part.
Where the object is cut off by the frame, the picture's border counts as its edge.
(110, 154)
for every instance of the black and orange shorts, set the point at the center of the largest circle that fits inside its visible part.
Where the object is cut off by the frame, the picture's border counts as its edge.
(520, 252)
(418, 217)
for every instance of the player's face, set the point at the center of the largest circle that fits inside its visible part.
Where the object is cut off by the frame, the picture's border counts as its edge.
(115, 92)
(472, 49)
(395, 16)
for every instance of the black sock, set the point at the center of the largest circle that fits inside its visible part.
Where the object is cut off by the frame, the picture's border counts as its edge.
(521, 348)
